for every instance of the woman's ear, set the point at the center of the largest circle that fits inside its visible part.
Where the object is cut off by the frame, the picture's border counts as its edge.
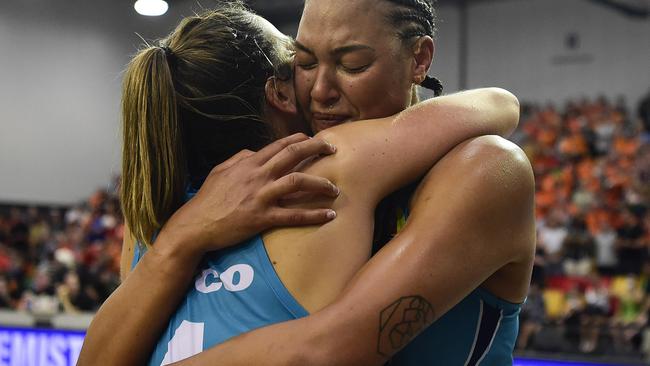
(281, 95)
(423, 52)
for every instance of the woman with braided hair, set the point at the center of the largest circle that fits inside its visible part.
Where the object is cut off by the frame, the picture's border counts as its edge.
(483, 327)
(471, 220)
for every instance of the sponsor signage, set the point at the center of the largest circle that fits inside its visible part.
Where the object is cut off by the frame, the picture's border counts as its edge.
(39, 347)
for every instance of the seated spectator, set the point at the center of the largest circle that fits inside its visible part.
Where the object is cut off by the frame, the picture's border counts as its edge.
(629, 319)
(71, 296)
(574, 308)
(532, 317)
(606, 256)
(552, 234)
(631, 248)
(594, 315)
(578, 249)
(604, 130)
(39, 298)
(644, 318)
(6, 302)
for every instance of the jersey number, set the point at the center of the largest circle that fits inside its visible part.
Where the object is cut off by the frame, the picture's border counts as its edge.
(186, 342)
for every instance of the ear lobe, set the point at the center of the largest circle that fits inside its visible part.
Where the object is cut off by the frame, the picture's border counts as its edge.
(281, 95)
(423, 52)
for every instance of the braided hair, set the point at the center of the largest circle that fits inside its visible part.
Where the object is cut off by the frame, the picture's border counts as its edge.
(414, 19)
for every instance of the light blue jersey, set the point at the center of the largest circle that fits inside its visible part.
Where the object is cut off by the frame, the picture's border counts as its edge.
(480, 330)
(237, 290)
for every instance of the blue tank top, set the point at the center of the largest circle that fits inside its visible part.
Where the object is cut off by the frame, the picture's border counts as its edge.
(237, 290)
(480, 330)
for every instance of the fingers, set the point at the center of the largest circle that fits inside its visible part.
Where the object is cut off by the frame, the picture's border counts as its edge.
(293, 199)
(233, 160)
(299, 216)
(293, 154)
(273, 148)
(298, 182)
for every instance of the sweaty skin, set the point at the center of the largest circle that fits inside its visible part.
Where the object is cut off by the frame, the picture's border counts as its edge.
(332, 100)
(502, 236)
(157, 287)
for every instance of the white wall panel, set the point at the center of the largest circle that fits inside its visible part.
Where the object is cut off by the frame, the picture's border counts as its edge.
(520, 45)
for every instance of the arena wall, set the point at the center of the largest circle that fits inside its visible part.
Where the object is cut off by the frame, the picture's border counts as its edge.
(61, 72)
(558, 49)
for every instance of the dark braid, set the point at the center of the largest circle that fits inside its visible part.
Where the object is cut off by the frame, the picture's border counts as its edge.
(434, 84)
(413, 18)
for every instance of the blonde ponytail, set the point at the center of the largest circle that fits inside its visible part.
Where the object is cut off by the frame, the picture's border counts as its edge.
(153, 160)
(190, 105)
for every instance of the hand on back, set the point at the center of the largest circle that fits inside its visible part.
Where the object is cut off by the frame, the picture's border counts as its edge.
(243, 196)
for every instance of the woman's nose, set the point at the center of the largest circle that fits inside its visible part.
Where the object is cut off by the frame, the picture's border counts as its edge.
(324, 91)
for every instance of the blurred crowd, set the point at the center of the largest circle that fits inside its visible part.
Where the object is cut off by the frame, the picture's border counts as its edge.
(590, 291)
(60, 260)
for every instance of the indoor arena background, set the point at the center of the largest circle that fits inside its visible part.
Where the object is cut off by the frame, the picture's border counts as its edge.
(581, 69)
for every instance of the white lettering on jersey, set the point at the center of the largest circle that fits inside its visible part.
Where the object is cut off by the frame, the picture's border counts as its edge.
(226, 279)
(201, 281)
(246, 275)
(186, 342)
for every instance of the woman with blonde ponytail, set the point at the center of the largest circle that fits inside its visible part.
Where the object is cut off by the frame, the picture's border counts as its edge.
(232, 92)
(153, 183)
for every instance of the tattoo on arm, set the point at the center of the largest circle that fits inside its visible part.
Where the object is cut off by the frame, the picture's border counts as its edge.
(401, 321)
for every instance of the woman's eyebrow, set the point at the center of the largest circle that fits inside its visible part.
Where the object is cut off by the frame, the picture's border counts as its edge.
(336, 51)
(351, 48)
(303, 48)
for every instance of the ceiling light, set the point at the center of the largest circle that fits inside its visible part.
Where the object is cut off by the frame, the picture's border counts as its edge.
(151, 7)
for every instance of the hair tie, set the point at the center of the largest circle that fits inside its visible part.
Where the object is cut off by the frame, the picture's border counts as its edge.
(432, 83)
(169, 55)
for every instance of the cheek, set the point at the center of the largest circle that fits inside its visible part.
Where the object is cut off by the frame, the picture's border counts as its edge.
(303, 83)
(378, 94)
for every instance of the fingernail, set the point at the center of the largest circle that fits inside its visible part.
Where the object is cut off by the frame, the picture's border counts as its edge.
(336, 189)
(331, 214)
(332, 147)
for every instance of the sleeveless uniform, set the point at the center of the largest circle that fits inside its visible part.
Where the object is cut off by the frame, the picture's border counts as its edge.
(480, 330)
(238, 290)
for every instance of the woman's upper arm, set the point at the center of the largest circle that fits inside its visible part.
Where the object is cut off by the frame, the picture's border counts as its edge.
(346, 332)
(126, 258)
(393, 151)
(478, 210)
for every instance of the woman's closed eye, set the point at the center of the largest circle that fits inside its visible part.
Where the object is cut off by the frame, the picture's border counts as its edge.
(306, 65)
(305, 61)
(356, 61)
(354, 69)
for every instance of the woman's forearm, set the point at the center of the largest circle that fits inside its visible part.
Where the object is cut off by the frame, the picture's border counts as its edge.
(161, 279)
(473, 216)
(493, 111)
(126, 328)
